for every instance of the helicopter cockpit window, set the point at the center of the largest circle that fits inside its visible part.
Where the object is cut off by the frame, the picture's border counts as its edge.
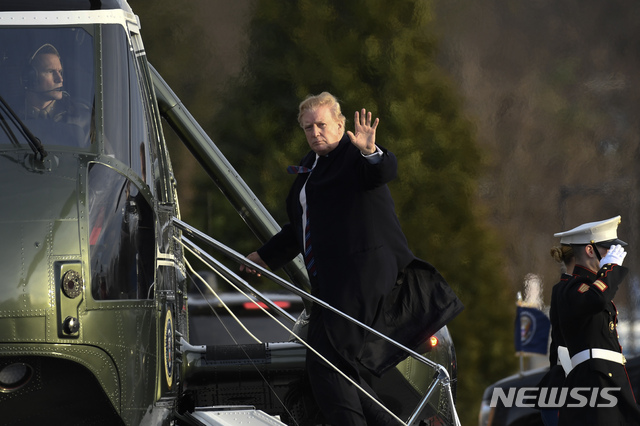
(47, 82)
(127, 133)
(121, 237)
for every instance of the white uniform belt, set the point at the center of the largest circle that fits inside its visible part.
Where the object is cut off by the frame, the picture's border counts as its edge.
(606, 354)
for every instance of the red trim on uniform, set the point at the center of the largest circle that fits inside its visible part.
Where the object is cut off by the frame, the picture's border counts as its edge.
(606, 270)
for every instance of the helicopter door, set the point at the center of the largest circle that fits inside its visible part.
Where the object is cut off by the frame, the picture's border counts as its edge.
(121, 238)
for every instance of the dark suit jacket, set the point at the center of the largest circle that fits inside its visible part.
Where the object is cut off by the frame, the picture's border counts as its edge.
(358, 245)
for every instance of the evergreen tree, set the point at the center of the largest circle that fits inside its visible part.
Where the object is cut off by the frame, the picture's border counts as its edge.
(381, 56)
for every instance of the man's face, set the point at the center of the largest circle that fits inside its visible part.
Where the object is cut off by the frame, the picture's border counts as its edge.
(48, 76)
(322, 131)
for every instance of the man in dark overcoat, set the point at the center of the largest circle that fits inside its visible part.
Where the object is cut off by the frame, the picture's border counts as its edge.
(342, 218)
(598, 385)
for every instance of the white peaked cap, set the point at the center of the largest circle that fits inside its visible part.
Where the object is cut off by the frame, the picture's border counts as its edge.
(593, 232)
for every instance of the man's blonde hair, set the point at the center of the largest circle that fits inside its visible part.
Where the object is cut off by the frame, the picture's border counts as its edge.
(313, 102)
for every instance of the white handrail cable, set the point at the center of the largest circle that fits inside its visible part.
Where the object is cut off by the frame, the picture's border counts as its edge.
(441, 376)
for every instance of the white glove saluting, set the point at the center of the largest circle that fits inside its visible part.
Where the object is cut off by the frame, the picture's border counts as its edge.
(615, 255)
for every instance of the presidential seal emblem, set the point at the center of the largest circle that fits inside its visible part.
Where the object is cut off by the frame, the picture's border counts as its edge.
(527, 327)
(168, 349)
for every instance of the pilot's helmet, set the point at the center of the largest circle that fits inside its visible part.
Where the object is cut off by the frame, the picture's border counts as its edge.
(45, 48)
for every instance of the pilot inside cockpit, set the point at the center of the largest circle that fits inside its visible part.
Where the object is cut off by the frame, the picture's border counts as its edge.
(46, 99)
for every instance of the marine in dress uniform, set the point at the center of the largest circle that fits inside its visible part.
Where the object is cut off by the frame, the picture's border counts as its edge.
(588, 319)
